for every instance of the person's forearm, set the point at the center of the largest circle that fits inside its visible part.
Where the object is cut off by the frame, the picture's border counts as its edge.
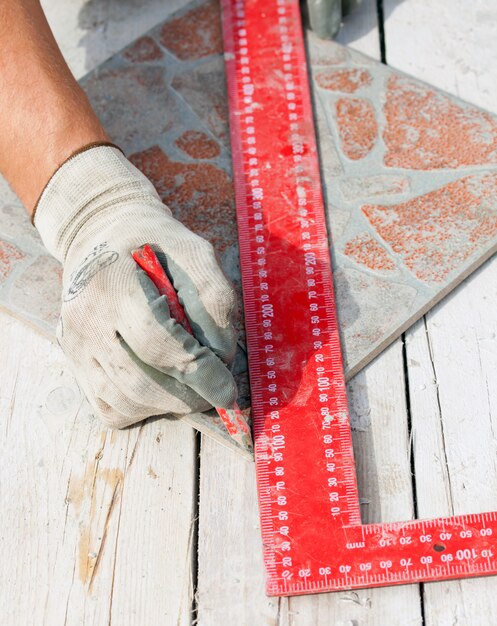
(44, 114)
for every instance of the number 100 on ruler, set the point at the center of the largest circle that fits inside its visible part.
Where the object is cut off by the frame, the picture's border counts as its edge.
(313, 538)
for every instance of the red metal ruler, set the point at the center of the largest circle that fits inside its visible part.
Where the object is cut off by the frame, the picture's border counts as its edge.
(313, 538)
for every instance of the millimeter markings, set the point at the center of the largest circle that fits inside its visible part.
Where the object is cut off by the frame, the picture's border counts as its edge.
(313, 538)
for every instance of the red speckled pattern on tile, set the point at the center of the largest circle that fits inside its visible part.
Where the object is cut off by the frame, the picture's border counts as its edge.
(9, 254)
(195, 34)
(426, 129)
(198, 145)
(346, 81)
(144, 49)
(357, 126)
(199, 194)
(366, 251)
(435, 233)
(134, 103)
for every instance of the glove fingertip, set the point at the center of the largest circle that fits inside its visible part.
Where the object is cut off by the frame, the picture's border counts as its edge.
(226, 393)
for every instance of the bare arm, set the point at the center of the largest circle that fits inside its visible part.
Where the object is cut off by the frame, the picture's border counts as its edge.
(44, 114)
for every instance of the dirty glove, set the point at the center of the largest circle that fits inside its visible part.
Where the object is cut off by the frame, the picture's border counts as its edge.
(131, 358)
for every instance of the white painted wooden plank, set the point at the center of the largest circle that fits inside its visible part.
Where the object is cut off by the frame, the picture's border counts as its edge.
(377, 399)
(157, 530)
(96, 524)
(230, 574)
(452, 354)
(230, 569)
(452, 359)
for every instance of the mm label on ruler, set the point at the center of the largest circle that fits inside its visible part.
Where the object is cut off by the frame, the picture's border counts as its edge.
(313, 539)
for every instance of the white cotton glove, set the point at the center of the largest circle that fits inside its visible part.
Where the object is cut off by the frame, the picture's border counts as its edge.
(129, 355)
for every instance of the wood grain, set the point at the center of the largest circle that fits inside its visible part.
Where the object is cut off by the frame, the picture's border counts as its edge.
(452, 352)
(96, 525)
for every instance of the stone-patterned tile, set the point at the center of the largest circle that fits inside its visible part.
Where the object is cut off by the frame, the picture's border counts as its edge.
(204, 89)
(134, 103)
(194, 34)
(201, 195)
(409, 175)
(330, 161)
(344, 81)
(358, 187)
(417, 179)
(198, 145)
(327, 52)
(15, 222)
(368, 307)
(357, 125)
(144, 49)
(426, 129)
(447, 226)
(341, 219)
(365, 250)
(9, 254)
(37, 290)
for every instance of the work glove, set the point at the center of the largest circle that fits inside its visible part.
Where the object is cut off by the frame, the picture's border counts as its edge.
(129, 356)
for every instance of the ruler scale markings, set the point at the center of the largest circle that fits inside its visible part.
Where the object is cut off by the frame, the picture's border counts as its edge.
(313, 538)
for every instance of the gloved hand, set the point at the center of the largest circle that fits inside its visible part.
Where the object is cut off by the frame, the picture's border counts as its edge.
(130, 357)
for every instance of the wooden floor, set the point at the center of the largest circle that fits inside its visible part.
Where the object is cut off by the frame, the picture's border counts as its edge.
(152, 526)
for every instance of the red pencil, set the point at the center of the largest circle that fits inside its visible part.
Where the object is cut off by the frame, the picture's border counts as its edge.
(232, 418)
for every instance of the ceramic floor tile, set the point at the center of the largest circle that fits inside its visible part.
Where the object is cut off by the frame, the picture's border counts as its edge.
(414, 172)
(409, 175)
(9, 254)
